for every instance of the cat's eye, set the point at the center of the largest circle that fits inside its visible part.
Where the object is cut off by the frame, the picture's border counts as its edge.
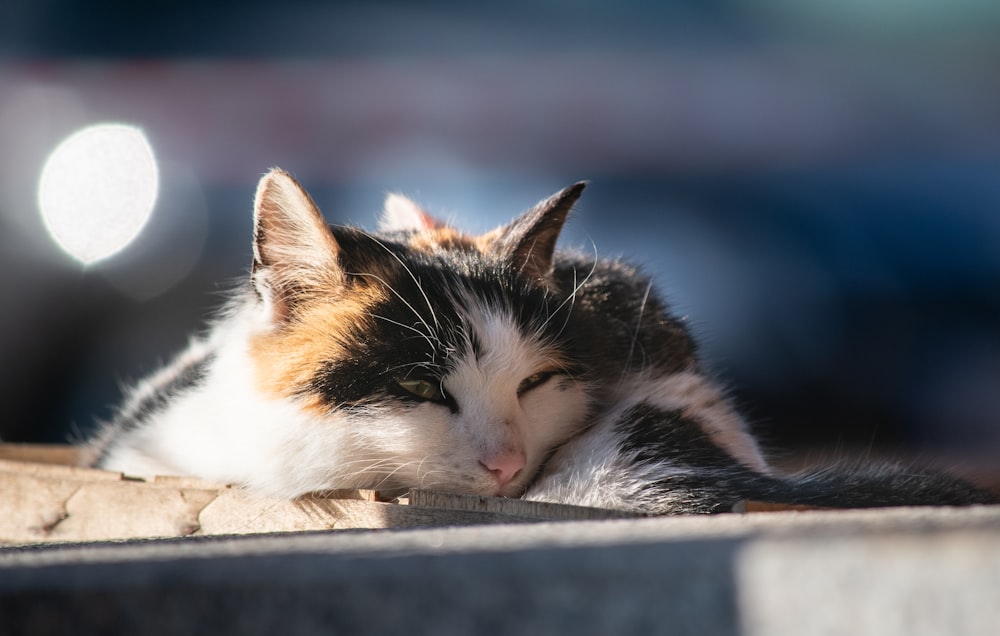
(423, 389)
(533, 380)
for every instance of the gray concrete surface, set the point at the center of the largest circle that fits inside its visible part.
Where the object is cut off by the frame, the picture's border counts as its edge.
(898, 571)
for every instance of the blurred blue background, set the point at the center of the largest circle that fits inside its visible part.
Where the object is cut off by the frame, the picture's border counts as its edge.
(816, 186)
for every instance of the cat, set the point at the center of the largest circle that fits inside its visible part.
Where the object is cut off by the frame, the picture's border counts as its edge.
(422, 357)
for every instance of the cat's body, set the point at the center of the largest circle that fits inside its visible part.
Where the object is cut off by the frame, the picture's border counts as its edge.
(423, 357)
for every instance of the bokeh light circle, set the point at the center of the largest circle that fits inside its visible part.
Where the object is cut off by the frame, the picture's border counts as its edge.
(97, 190)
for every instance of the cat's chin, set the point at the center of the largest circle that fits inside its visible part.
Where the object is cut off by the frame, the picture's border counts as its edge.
(509, 492)
(482, 492)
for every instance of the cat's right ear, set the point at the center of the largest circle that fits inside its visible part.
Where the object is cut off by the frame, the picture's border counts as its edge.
(400, 213)
(529, 242)
(294, 251)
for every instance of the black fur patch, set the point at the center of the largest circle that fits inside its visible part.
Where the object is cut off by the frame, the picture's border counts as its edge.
(656, 434)
(631, 327)
(422, 327)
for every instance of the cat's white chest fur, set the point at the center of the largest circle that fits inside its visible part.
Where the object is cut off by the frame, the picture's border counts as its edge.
(224, 428)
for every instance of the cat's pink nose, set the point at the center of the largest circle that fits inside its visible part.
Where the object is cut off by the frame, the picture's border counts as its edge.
(505, 466)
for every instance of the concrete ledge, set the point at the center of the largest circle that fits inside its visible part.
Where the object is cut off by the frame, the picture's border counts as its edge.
(896, 571)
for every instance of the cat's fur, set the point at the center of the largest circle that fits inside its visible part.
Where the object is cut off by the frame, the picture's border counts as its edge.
(423, 357)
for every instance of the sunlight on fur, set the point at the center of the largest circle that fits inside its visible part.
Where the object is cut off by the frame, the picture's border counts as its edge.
(492, 365)
(97, 190)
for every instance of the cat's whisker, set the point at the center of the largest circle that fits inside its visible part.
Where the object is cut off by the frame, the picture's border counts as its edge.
(430, 331)
(421, 365)
(398, 324)
(425, 483)
(416, 281)
(373, 475)
(392, 473)
(369, 463)
(572, 295)
(432, 364)
(429, 485)
(635, 335)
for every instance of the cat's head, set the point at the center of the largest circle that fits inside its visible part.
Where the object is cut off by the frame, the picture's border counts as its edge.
(434, 358)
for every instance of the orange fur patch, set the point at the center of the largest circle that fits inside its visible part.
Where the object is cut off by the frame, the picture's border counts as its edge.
(287, 358)
(485, 242)
(444, 238)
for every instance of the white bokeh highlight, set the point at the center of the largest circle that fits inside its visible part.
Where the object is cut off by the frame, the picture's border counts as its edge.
(97, 190)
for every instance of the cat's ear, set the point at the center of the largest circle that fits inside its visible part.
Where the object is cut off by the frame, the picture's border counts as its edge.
(294, 251)
(401, 213)
(529, 242)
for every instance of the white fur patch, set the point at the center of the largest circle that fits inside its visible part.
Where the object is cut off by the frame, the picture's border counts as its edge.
(493, 417)
(225, 430)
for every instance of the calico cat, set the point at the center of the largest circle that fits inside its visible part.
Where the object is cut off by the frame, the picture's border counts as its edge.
(420, 356)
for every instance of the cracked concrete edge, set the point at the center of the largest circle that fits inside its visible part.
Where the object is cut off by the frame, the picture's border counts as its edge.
(913, 571)
(58, 503)
(781, 526)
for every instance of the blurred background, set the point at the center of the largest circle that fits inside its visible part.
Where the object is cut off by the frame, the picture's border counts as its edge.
(815, 186)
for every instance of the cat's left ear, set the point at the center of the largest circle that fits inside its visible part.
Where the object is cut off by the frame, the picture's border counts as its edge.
(403, 214)
(294, 251)
(529, 242)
